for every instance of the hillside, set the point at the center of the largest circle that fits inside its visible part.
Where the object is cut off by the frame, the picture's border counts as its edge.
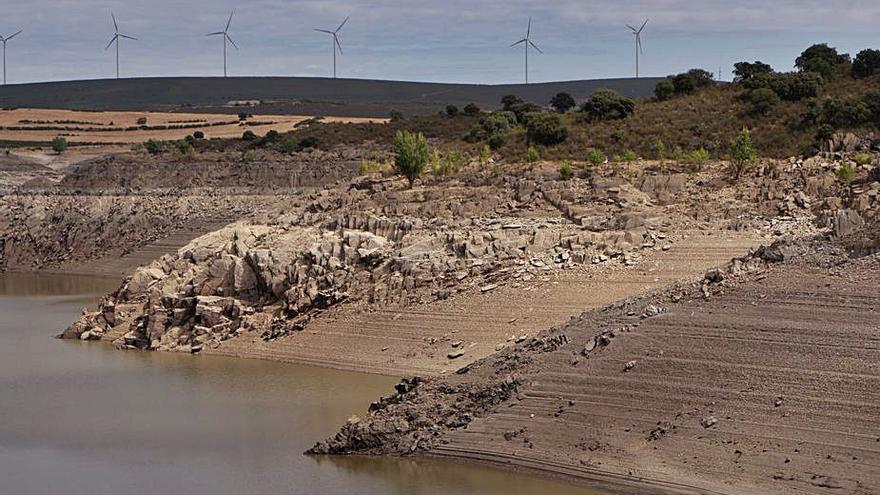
(292, 95)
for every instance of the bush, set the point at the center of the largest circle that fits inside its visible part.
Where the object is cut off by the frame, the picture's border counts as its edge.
(532, 155)
(846, 173)
(850, 112)
(862, 159)
(242, 116)
(867, 62)
(660, 150)
(493, 128)
(270, 137)
(743, 152)
(153, 147)
(395, 116)
(249, 135)
(872, 102)
(451, 110)
(698, 157)
(411, 154)
(745, 71)
(309, 142)
(450, 163)
(562, 102)
(546, 128)
(184, 147)
(485, 155)
(606, 104)
(617, 135)
(824, 133)
(692, 80)
(370, 167)
(628, 156)
(596, 157)
(664, 90)
(496, 140)
(471, 110)
(763, 100)
(789, 86)
(142, 121)
(821, 59)
(566, 172)
(198, 135)
(59, 144)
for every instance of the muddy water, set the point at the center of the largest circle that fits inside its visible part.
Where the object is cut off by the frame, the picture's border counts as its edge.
(80, 418)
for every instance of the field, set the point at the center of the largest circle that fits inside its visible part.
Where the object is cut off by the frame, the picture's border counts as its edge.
(43, 125)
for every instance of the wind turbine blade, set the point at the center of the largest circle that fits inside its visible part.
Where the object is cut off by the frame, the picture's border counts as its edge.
(229, 21)
(536, 47)
(343, 24)
(116, 26)
(324, 31)
(114, 38)
(519, 42)
(218, 33)
(127, 37)
(643, 25)
(10, 37)
(230, 40)
(639, 42)
(634, 29)
(339, 45)
(529, 29)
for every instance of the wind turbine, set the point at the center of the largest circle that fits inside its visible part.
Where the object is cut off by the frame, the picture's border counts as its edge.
(115, 39)
(638, 34)
(225, 34)
(526, 42)
(4, 40)
(334, 44)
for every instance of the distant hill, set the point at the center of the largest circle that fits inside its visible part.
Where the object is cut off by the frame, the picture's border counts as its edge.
(293, 95)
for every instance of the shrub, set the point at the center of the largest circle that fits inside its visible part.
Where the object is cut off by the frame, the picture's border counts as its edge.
(745, 71)
(493, 128)
(678, 154)
(692, 80)
(153, 147)
(596, 157)
(450, 163)
(59, 144)
(562, 102)
(270, 137)
(789, 86)
(309, 142)
(142, 121)
(485, 155)
(566, 172)
(509, 101)
(629, 155)
(849, 112)
(198, 135)
(866, 63)
(184, 147)
(824, 133)
(411, 154)
(497, 139)
(698, 156)
(532, 155)
(862, 159)
(763, 100)
(743, 152)
(546, 128)
(821, 59)
(249, 135)
(395, 116)
(660, 150)
(451, 110)
(846, 173)
(605, 104)
(248, 156)
(471, 110)
(242, 116)
(617, 135)
(370, 167)
(872, 102)
(664, 90)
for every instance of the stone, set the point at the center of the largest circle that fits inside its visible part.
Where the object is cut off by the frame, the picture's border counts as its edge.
(629, 365)
(708, 421)
(455, 354)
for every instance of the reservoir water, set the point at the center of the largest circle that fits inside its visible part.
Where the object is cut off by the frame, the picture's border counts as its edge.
(86, 419)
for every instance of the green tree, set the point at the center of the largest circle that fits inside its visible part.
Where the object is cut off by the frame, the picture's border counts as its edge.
(743, 152)
(59, 144)
(849, 112)
(451, 110)
(821, 59)
(546, 128)
(411, 155)
(866, 63)
(763, 100)
(562, 102)
(605, 104)
(746, 71)
(471, 110)
(664, 90)
(692, 80)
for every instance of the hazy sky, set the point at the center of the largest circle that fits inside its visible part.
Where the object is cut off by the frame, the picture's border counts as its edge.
(448, 41)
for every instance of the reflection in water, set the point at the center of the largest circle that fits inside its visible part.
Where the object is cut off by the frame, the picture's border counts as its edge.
(84, 418)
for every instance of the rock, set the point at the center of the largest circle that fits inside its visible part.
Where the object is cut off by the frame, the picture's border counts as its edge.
(708, 421)
(778, 402)
(846, 222)
(455, 354)
(629, 365)
(488, 288)
(457, 343)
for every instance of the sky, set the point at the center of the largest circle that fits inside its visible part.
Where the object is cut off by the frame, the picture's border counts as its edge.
(420, 40)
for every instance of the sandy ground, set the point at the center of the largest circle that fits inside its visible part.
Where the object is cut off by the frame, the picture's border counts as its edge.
(788, 370)
(417, 339)
(100, 125)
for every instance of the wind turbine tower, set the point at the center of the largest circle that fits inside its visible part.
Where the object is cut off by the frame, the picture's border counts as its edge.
(226, 37)
(115, 39)
(4, 40)
(334, 42)
(638, 34)
(527, 42)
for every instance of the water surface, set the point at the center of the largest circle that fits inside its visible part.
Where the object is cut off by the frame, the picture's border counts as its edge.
(83, 418)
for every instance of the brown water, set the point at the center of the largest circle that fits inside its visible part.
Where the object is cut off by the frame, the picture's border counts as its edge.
(84, 418)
